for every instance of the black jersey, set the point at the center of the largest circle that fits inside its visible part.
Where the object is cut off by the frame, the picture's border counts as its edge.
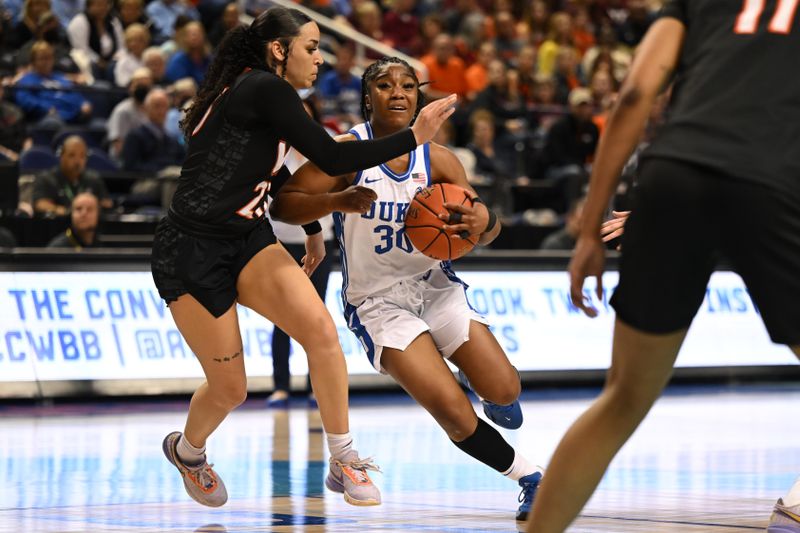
(736, 100)
(236, 154)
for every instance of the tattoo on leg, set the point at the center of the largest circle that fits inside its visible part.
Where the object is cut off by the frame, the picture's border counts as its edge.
(227, 359)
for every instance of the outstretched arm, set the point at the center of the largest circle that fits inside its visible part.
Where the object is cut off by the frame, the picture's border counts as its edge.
(311, 194)
(652, 68)
(446, 168)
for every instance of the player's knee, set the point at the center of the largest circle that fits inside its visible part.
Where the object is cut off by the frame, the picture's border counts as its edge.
(630, 400)
(319, 332)
(503, 390)
(455, 415)
(231, 394)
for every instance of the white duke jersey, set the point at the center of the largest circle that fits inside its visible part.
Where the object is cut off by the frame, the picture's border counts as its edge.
(376, 251)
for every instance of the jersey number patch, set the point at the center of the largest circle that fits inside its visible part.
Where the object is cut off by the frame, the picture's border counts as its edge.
(256, 207)
(391, 239)
(781, 22)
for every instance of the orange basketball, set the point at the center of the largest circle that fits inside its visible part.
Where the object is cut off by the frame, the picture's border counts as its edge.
(424, 227)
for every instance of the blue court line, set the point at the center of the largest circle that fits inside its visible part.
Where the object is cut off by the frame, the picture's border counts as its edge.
(679, 522)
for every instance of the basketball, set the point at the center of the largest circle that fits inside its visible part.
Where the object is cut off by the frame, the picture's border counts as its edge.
(425, 229)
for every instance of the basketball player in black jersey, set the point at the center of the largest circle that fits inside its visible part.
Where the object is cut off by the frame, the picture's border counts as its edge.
(215, 248)
(731, 143)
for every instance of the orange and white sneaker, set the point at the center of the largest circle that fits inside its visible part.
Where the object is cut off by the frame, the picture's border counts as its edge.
(201, 482)
(349, 477)
(784, 519)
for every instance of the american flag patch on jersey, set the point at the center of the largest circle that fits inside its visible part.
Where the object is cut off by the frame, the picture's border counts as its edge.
(419, 177)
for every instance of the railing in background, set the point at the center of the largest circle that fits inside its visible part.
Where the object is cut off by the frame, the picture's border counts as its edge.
(361, 41)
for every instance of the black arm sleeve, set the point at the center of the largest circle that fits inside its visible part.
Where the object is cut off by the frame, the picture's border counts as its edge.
(270, 101)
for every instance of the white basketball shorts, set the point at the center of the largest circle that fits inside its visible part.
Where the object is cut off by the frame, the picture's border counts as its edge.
(435, 302)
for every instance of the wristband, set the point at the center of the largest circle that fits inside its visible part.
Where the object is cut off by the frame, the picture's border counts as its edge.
(312, 228)
(492, 217)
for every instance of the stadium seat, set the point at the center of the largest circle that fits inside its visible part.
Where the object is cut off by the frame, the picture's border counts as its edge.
(37, 158)
(101, 162)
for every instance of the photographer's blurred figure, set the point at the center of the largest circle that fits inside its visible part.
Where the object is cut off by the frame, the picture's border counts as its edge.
(82, 230)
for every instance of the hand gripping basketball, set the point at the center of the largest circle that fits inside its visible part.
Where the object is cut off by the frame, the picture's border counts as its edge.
(428, 217)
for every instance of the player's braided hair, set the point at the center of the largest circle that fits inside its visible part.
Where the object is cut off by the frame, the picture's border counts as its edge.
(372, 72)
(244, 47)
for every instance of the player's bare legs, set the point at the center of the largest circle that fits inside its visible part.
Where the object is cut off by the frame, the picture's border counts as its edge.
(422, 372)
(217, 344)
(275, 287)
(484, 362)
(640, 368)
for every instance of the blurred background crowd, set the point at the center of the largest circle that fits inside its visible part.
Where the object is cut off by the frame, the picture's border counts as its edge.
(91, 93)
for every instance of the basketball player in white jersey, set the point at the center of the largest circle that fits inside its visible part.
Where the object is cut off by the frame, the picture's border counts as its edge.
(409, 311)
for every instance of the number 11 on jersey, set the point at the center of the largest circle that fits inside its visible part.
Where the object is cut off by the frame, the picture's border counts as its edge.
(781, 22)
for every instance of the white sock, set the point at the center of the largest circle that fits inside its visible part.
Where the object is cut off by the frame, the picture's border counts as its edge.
(189, 454)
(793, 498)
(521, 467)
(339, 444)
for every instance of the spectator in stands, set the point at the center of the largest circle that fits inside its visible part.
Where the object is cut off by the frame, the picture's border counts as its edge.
(6, 50)
(13, 136)
(565, 238)
(603, 89)
(132, 12)
(445, 71)
(368, 20)
(503, 100)
(401, 26)
(582, 30)
(97, 33)
(45, 95)
(137, 39)
(477, 74)
(148, 148)
(526, 69)
(163, 14)
(181, 94)
(228, 21)
(464, 15)
(49, 30)
(431, 26)
(607, 47)
(153, 59)
(570, 144)
(129, 113)
(193, 59)
(559, 35)
(566, 73)
(488, 164)
(82, 231)
(54, 190)
(24, 30)
(340, 90)
(506, 41)
(536, 22)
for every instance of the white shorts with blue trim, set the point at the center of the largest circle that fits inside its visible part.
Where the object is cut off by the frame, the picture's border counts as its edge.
(394, 317)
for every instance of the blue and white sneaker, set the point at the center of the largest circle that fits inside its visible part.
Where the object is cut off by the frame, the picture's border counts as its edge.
(784, 519)
(505, 416)
(529, 484)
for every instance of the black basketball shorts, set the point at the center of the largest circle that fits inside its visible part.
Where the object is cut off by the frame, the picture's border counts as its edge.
(203, 267)
(685, 219)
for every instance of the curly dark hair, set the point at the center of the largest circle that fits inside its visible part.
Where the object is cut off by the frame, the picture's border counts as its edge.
(372, 72)
(244, 47)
